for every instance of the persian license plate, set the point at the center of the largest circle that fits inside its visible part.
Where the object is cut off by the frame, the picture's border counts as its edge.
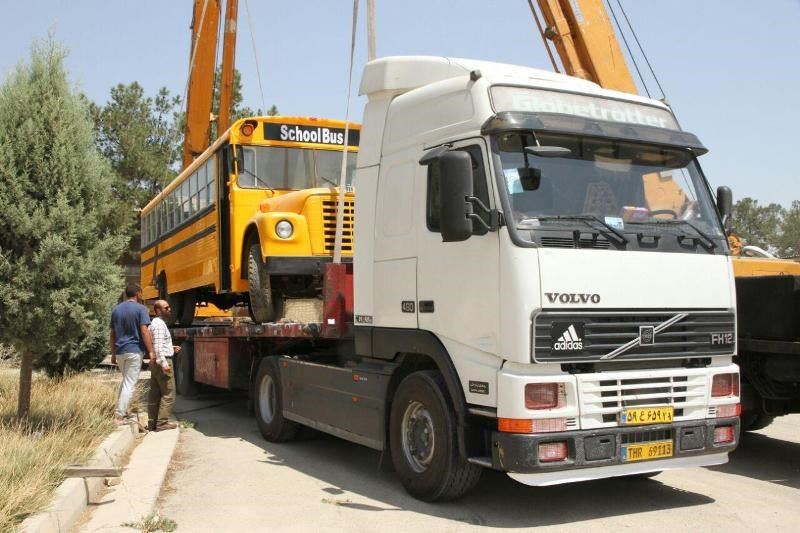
(647, 415)
(643, 452)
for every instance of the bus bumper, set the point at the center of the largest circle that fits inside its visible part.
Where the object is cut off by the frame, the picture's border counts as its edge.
(599, 453)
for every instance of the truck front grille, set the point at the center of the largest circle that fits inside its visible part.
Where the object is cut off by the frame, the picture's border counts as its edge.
(329, 211)
(603, 396)
(606, 331)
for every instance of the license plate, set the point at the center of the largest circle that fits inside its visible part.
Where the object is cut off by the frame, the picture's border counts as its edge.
(647, 415)
(643, 452)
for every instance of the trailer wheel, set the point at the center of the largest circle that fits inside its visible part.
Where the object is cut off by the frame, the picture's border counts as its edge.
(185, 385)
(262, 304)
(268, 404)
(423, 443)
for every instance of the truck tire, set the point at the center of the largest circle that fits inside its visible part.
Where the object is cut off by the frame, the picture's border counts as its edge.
(268, 404)
(757, 421)
(753, 416)
(262, 305)
(423, 442)
(185, 385)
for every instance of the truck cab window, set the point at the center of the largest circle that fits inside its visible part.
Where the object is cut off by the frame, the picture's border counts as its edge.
(479, 188)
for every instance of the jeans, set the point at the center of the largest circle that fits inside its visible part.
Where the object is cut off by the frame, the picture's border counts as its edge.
(130, 364)
(161, 397)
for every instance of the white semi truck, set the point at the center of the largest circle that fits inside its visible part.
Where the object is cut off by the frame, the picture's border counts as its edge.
(541, 285)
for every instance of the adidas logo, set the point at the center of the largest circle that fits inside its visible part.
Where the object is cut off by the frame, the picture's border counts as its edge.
(568, 341)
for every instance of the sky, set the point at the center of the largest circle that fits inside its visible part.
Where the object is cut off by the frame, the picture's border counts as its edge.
(730, 68)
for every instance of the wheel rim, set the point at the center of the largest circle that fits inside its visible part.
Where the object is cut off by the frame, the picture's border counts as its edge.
(267, 399)
(418, 438)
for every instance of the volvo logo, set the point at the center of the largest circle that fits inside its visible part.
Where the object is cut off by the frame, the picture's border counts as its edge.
(572, 297)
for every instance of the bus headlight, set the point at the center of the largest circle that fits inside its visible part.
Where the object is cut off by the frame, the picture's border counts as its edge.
(284, 229)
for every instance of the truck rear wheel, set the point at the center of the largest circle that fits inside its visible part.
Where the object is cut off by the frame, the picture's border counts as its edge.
(262, 304)
(268, 404)
(423, 441)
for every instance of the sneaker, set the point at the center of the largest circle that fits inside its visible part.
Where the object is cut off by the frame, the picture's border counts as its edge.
(165, 426)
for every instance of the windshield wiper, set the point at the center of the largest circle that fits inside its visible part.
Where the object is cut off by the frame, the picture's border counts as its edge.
(589, 218)
(703, 236)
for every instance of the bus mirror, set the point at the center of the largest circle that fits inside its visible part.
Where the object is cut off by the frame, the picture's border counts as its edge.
(725, 204)
(455, 183)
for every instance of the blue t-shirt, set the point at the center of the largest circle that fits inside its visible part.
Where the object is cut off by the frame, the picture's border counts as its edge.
(125, 321)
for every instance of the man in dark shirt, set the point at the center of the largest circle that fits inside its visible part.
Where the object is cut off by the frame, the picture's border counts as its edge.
(129, 340)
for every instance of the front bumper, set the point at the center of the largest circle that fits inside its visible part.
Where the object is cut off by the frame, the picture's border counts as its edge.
(598, 453)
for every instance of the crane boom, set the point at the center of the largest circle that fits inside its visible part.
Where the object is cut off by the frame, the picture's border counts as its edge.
(586, 43)
(205, 22)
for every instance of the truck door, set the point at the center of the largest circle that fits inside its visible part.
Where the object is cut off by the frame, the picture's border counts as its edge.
(458, 282)
(395, 252)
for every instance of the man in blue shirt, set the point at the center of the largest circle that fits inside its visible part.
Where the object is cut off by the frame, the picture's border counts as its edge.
(129, 341)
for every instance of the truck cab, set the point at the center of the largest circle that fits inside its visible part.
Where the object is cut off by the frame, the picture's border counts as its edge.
(553, 250)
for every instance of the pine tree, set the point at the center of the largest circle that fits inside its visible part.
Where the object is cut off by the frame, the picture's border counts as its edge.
(58, 239)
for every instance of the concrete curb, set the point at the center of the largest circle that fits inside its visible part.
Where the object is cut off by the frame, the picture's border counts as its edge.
(134, 498)
(73, 496)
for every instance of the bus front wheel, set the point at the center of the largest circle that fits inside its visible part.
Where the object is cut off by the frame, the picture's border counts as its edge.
(262, 301)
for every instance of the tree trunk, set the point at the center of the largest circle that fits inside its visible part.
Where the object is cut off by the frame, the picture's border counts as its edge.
(25, 378)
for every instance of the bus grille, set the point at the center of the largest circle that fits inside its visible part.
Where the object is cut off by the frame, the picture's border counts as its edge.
(329, 208)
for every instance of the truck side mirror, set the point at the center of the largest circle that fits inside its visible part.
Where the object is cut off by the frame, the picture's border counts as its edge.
(725, 205)
(455, 185)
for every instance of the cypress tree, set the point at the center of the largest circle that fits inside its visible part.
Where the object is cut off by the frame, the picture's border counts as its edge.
(58, 245)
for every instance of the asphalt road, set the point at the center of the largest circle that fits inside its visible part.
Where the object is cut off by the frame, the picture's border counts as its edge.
(226, 477)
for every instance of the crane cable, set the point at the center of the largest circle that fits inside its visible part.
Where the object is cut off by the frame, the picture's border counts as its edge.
(544, 38)
(641, 49)
(255, 54)
(337, 246)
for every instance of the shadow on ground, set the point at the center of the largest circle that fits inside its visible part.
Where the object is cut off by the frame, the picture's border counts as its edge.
(765, 458)
(349, 471)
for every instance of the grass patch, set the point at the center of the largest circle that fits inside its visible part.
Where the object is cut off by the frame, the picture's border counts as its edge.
(69, 418)
(153, 523)
(185, 424)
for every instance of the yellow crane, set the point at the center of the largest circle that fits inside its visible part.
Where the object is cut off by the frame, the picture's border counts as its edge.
(769, 335)
(202, 68)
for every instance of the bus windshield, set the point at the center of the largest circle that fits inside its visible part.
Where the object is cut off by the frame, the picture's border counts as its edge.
(274, 167)
(619, 182)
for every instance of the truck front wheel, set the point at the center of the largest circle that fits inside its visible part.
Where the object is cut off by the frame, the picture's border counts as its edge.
(268, 404)
(423, 441)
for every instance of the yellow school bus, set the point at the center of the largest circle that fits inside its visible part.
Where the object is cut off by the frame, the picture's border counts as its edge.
(252, 220)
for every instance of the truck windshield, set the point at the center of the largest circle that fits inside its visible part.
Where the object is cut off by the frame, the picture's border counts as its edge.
(619, 183)
(273, 167)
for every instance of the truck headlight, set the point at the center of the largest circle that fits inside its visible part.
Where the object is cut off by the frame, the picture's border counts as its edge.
(284, 229)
